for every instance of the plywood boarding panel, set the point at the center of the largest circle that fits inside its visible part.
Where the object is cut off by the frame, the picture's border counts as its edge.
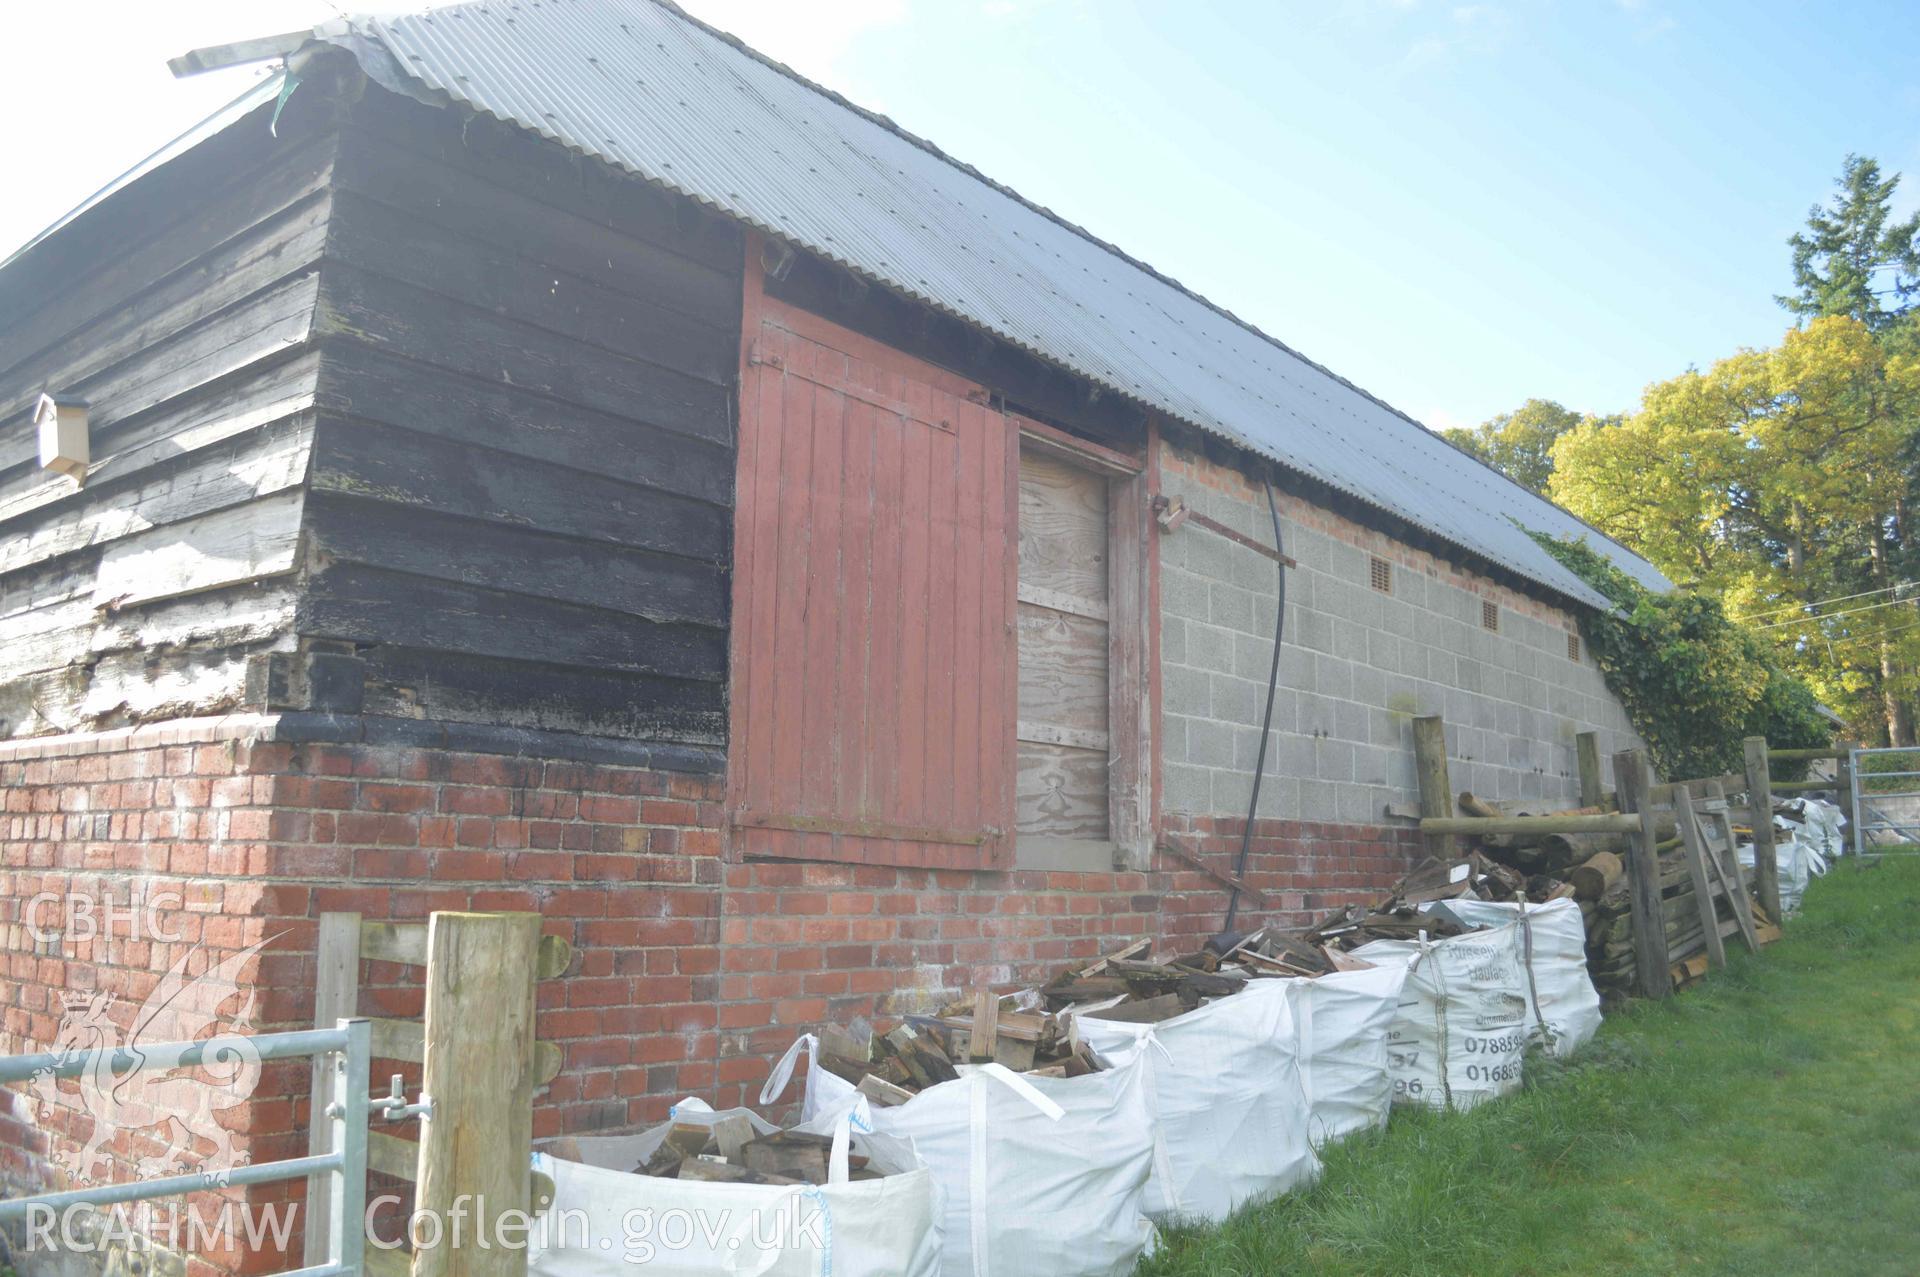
(1063, 528)
(1063, 671)
(1062, 786)
(873, 651)
(1062, 792)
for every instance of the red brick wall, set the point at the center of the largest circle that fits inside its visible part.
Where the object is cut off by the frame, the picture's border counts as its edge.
(177, 818)
(690, 972)
(1305, 869)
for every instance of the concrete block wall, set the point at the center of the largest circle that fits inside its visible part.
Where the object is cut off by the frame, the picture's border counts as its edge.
(1357, 665)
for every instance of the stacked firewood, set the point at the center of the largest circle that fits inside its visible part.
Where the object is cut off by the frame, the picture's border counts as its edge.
(1609, 917)
(922, 1051)
(1582, 866)
(1034, 1031)
(731, 1151)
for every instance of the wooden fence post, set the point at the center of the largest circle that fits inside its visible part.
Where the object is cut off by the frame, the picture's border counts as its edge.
(1436, 791)
(1587, 754)
(1766, 871)
(1633, 780)
(1843, 777)
(336, 997)
(479, 1073)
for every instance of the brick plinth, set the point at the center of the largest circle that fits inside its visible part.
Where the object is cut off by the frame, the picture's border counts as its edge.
(692, 969)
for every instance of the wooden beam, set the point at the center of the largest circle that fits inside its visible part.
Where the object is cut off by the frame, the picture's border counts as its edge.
(1804, 755)
(217, 57)
(1436, 791)
(1722, 849)
(1668, 794)
(401, 942)
(1131, 747)
(1227, 880)
(1766, 862)
(1633, 780)
(391, 1155)
(480, 1072)
(1603, 824)
(399, 1040)
(983, 1035)
(1694, 840)
(1843, 782)
(865, 829)
(1082, 452)
(406, 943)
(1587, 751)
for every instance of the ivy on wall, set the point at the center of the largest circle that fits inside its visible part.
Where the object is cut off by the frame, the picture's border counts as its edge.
(1694, 683)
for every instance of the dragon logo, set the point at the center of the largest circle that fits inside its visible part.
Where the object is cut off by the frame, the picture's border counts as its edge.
(150, 1087)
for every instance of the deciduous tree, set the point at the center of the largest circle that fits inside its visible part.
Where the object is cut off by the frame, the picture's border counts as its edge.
(1519, 444)
(1778, 479)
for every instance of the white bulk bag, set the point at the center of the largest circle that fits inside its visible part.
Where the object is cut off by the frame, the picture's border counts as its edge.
(1461, 1029)
(1230, 1116)
(826, 1093)
(1563, 1007)
(1041, 1177)
(1793, 863)
(1342, 1021)
(1822, 826)
(606, 1221)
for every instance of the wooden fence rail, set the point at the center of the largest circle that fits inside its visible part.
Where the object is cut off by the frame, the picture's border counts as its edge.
(1648, 819)
(1604, 824)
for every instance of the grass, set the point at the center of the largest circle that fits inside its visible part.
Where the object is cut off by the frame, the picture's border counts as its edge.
(1764, 1123)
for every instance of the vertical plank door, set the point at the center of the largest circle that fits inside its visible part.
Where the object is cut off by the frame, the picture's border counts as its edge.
(873, 642)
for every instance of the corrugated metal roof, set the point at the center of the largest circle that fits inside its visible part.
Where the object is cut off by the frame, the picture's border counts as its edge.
(644, 86)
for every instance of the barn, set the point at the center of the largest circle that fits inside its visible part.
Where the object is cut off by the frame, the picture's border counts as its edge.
(553, 457)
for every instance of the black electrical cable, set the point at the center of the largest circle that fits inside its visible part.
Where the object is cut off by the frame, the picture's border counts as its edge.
(1266, 719)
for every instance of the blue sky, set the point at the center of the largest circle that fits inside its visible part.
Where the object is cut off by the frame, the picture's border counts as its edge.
(1457, 206)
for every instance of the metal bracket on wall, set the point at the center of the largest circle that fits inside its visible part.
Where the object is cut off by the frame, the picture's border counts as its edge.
(1171, 513)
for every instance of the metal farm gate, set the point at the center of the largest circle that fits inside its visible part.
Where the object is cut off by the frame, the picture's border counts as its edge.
(480, 1066)
(1884, 785)
(346, 1054)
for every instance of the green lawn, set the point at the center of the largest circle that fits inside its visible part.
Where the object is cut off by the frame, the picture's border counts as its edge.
(1766, 1122)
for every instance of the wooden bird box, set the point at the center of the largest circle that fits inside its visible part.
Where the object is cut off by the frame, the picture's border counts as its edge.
(62, 423)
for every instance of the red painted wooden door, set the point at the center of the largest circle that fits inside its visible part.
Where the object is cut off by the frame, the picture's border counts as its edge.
(874, 653)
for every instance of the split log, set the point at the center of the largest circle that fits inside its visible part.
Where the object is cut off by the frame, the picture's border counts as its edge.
(714, 1171)
(1596, 876)
(882, 1092)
